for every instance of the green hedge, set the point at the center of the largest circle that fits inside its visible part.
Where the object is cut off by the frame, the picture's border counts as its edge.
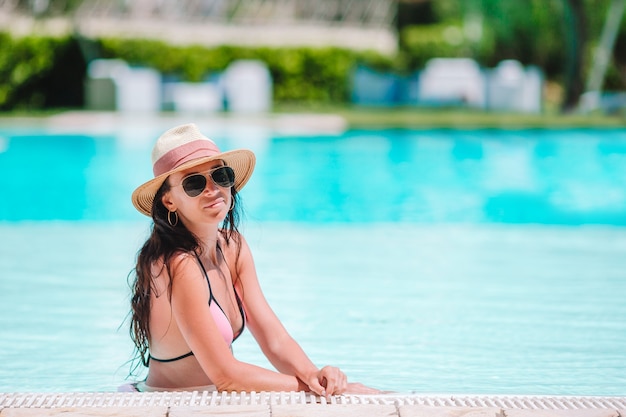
(22, 62)
(421, 43)
(40, 72)
(299, 74)
(47, 72)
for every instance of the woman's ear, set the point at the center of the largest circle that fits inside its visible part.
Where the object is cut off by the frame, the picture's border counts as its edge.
(167, 201)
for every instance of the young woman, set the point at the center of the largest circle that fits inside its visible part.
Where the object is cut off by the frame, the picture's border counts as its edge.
(196, 287)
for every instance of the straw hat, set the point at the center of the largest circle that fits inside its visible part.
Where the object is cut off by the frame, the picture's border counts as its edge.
(184, 147)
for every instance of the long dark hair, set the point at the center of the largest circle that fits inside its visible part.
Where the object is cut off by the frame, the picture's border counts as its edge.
(164, 241)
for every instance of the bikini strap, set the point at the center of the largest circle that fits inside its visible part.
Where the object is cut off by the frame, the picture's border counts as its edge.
(186, 355)
(206, 276)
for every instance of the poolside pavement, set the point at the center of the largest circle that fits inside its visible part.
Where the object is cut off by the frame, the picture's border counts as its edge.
(112, 121)
(187, 404)
(335, 410)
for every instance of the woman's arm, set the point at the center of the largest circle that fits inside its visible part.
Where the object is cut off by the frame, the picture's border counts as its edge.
(275, 342)
(190, 309)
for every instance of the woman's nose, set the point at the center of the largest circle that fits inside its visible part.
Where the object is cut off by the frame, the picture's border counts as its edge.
(210, 185)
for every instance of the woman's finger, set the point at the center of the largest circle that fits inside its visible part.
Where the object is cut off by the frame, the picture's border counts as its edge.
(316, 387)
(333, 379)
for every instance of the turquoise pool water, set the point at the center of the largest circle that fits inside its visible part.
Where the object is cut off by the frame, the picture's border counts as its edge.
(565, 177)
(431, 261)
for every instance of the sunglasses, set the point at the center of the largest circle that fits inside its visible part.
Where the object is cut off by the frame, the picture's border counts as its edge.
(194, 184)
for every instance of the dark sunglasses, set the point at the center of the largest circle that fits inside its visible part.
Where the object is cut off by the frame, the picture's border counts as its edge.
(195, 183)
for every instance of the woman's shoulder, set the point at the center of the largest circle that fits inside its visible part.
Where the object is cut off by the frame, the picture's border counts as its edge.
(174, 262)
(182, 259)
(234, 246)
(177, 265)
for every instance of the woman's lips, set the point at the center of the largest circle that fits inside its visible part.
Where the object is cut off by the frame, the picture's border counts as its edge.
(215, 203)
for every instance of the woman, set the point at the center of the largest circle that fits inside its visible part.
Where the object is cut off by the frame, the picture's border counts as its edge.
(196, 286)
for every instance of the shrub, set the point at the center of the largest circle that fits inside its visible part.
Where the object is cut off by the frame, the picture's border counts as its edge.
(301, 74)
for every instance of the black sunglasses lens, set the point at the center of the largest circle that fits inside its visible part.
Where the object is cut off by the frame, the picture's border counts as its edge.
(194, 185)
(224, 176)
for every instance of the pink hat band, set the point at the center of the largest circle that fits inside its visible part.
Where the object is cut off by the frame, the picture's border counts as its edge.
(183, 153)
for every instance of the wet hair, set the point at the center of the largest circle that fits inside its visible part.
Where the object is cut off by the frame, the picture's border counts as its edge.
(164, 242)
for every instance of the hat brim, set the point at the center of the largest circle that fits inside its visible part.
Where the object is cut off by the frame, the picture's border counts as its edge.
(242, 162)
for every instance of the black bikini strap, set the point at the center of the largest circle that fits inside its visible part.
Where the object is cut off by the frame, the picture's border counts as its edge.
(186, 355)
(206, 276)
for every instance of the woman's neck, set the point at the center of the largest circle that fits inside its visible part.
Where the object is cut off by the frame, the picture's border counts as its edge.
(208, 238)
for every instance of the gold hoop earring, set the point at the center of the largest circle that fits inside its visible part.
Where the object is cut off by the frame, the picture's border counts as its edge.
(169, 218)
(232, 204)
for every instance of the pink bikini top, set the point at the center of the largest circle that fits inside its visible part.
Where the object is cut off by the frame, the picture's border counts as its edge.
(219, 316)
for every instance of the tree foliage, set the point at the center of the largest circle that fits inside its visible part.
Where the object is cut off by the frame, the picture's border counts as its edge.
(38, 72)
(558, 36)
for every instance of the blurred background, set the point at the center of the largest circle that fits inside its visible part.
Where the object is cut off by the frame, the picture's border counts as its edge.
(438, 205)
(531, 57)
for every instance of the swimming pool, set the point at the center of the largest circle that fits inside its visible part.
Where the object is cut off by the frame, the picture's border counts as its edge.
(436, 261)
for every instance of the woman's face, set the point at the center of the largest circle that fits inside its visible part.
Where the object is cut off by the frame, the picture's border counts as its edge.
(198, 199)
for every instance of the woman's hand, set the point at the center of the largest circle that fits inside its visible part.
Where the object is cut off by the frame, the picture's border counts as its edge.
(332, 381)
(358, 388)
(328, 381)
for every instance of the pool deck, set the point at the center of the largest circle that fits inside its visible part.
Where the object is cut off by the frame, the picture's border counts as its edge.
(106, 122)
(300, 404)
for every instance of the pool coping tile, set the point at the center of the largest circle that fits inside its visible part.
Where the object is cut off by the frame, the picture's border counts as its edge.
(563, 413)
(304, 410)
(221, 410)
(142, 411)
(334, 410)
(443, 411)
